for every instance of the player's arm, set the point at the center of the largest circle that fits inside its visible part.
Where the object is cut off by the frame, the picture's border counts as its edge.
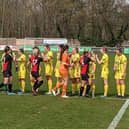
(45, 58)
(125, 66)
(14, 56)
(98, 60)
(92, 59)
(56, 64)
(50, 56)
(94, 69)
(2, 64)
(28, 66)
(1, 60)
(115, 66)
(66, 64)
(64, 61)
(19, 59)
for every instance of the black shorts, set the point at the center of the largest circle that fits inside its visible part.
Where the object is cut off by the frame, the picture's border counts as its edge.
(85, 77)
(7, 74)
(35, 75)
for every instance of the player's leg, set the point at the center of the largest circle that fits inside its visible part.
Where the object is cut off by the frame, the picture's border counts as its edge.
(22, 75)
(118, 87)
(49, 80)
(105, 86)
(83, 85)
(38, 83)
(6, 82)
(3, 87)
(122, 82)
(93, 88)
(58, 82)
(78, 85)
(48, 72)
(22, 86)
(88, 87)
(73, 80)
(82, 89)
(32, 81)
(63, 95)
(10, 86)
(64, 75)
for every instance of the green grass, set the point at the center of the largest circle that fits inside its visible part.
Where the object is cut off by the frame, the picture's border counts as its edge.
(124, 123)
(47, 112)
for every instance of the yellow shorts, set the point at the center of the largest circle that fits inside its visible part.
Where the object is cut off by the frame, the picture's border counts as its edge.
(71, 73)
(22, 74)
(48, 70)
(91, 76)
(104, 75)
(119, 76)
(57, 73)
(77, 73)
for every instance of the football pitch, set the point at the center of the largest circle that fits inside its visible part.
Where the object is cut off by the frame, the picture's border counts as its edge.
(48, 112)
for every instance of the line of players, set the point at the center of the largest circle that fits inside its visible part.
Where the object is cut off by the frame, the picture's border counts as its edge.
(81, 70)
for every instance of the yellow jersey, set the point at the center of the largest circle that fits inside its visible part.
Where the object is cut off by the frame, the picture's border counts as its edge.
(49, 55)
(22, 62)
(92, 66)
(120, 61)
(105, 63)
(75, 59)
(58, 62)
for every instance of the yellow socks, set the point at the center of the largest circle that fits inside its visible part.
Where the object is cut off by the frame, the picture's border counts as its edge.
(32, 84)
(73, 88)
(23, 85)
(78, 87)
(58, 90)
(105, 90)
(93, 90)
(50, 85)
(84, 92)
(118, 90)
(123, 90)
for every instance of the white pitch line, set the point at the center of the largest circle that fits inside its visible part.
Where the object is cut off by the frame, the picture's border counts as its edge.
(118, 117)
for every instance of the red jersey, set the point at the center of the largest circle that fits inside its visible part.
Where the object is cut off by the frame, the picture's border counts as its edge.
(84, 61)
(35, 61)
(7, 66)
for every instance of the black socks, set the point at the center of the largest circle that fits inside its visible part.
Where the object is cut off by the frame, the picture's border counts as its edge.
(37, 84)
(88, 89)
(9, 87)
(81, 91)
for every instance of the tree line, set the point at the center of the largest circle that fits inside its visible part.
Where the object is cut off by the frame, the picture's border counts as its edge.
(93, 22)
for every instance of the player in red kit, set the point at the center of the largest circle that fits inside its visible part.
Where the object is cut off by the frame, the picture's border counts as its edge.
(35, 61)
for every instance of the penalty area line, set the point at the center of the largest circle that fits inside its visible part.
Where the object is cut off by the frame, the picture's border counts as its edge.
(119, 115)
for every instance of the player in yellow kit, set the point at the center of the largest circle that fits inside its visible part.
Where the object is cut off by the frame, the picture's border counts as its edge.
(120, 67)
(48, 62)
(21, 70)
(92, 69)
(75, 70)
(105, 68)
(57, 67)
